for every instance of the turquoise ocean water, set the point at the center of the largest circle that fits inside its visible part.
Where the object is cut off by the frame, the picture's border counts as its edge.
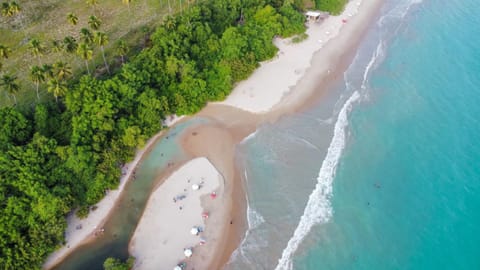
(399, 187)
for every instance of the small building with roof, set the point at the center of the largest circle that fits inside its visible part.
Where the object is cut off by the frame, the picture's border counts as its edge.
(315, 16)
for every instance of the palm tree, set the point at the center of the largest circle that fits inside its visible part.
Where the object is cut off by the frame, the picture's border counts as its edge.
(121, 49)
(10, 85)
(70, 44)
(72, 18)
(4, 51)
(127, 2)
(170, 23)
(47, 71)
(36, 48)
(62, 70)
(14, 10)
(86, 36)
(57, 87)
(93, 4)
(57, 45)
(37, 75)
(94, 22)
(6, 12)
(101, 39)
(86, 53)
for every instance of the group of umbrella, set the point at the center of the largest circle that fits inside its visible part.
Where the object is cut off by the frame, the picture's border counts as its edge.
(196, 230)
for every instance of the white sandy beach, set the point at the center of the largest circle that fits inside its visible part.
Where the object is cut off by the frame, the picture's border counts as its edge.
(164, 230)
(94, 221)
(274, 79)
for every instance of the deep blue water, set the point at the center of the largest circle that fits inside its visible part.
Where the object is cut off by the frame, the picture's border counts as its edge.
(400, 185)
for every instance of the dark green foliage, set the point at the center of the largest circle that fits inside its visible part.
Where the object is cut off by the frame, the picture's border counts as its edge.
(15, 129)
(116, 264)
(64, 156)
(335, 7)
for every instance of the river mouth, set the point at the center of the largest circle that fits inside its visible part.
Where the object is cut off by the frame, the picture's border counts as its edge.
(162, 159)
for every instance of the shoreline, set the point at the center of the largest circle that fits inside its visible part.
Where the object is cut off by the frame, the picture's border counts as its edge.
(232, 122)
(326, 65)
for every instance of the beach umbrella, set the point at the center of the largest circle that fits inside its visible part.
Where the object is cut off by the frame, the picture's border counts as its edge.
(177, 268)
(205, 215)
(194, 231)
(213, 195)
(195, 187)
(188, 252)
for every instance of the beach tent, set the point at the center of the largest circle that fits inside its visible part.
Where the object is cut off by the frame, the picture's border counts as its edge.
(194, 231)
(315, 16)
(195, 187)
(188, 252)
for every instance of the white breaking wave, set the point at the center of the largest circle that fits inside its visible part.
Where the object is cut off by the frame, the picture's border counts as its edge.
(400, 11)
(250, 136)
(318, 209)
(254, 219)
(248, 246)
(379, 52)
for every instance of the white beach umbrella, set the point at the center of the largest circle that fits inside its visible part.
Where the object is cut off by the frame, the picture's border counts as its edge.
(177, 268)
(195, 187)
(188, 252)
(194, 231)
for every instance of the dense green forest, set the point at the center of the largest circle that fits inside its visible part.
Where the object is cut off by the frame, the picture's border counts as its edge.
(60, 156)
(333, 6)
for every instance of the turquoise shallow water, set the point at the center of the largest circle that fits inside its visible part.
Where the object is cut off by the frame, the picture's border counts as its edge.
(405, 193)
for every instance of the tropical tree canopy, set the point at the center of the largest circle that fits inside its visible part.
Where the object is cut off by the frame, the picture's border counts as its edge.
(4, 51)
(37, 74)
(57, 45)
(94, 22)
(9, 83)
(36, 47)
(72, 18)
(62, 70)
(86, 36)
(85, 51)
(70, 44)
(57, 87)
(100, 38)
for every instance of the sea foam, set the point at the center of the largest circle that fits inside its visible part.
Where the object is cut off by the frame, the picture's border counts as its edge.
(318, 209)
